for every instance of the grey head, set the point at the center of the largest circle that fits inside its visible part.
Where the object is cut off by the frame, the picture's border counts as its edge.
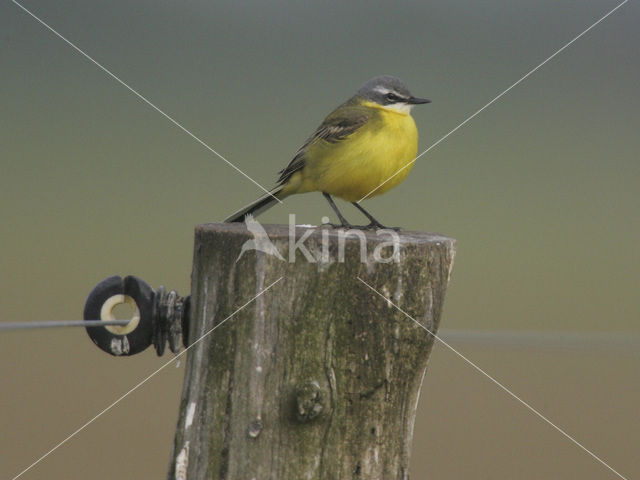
(387, 90)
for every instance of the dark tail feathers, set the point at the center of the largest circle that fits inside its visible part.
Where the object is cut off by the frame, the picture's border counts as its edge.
(255, 208)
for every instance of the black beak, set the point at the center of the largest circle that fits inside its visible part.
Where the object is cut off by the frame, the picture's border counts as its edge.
(417, 101)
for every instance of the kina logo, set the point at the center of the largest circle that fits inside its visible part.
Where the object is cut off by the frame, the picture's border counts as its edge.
(260, 241)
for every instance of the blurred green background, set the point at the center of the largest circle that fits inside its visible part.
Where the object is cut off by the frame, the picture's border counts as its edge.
(541, 191)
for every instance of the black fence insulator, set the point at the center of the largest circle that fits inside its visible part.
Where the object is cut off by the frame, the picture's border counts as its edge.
(159, 317)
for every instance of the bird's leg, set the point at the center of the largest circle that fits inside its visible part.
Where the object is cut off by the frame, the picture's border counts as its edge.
(343, 220)
(374, 223)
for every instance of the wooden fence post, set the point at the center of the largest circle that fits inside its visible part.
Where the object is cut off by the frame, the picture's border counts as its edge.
(318, 377)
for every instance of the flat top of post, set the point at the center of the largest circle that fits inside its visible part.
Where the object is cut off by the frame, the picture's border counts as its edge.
(278, 231)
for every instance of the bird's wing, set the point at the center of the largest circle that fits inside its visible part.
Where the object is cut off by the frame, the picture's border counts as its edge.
(338, 125)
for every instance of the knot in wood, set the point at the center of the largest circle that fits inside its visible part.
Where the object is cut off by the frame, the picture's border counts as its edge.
(309, 401)
(255, 428)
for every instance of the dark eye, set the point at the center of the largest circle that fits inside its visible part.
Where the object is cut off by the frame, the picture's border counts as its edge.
(392, 97)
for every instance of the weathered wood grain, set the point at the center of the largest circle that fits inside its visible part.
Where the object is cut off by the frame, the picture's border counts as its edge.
(318, 378)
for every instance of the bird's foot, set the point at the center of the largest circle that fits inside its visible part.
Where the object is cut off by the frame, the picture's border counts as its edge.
(346, 226)
(370, 226)
(332, 225)
(379, 226)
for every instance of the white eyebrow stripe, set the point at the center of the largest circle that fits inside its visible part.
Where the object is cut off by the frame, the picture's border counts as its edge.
(381, 90)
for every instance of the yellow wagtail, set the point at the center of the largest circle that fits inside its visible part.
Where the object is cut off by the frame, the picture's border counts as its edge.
(360, 150)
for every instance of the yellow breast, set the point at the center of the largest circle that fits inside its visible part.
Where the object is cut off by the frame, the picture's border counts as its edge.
(371, 161)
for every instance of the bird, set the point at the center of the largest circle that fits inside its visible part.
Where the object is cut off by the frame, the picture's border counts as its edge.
(363, 148)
